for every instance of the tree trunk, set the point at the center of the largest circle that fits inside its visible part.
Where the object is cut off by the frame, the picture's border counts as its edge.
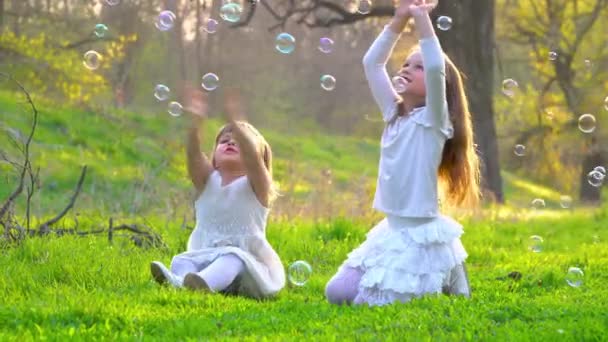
(1, 14)
(471, 46)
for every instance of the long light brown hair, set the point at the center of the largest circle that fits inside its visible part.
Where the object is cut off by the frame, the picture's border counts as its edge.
(264, 151)
(459, 173)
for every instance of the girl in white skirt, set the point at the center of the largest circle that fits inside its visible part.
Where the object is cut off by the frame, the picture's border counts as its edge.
(427, 140)
(228, 251)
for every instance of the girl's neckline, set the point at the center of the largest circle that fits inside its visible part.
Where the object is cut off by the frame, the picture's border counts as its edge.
(222, 185)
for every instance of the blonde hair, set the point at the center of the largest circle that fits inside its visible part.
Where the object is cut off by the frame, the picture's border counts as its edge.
(459, 173)
(264, 152)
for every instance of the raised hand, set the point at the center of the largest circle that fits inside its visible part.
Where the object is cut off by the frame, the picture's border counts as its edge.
(421, 7)
(233, 105)
(196, 103)
(402, 7)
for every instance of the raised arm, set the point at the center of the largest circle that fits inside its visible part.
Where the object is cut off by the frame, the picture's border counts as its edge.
(433, 61)
(375, 59)
(257, 173)
(199, 166)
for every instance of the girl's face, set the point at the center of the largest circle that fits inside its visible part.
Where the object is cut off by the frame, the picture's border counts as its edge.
(413, 73)
(227, 153)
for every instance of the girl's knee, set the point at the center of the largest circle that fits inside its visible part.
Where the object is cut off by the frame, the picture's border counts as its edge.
(336, 294)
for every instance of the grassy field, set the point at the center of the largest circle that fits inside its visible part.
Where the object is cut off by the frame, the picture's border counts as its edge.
(87, 288)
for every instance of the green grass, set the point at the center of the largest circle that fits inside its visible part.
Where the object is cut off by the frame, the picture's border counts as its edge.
(136, 161)
(85, 288)
(60, 288)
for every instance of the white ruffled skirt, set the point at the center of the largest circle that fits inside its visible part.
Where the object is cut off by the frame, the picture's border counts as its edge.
(403, 258)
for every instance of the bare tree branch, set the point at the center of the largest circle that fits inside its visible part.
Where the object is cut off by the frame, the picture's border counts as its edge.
(26, 148)
(306, 13)
(44, 227)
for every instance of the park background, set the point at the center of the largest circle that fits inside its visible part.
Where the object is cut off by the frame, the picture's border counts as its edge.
(101, 187)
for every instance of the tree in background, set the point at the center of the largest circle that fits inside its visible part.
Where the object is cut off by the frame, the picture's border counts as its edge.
(563, 43)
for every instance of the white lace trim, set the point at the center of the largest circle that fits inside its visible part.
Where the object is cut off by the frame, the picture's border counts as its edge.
(400, 263)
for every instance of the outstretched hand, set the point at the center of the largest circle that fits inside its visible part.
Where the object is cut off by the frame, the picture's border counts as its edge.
(196, 103)
(233, 106)
(402, 7)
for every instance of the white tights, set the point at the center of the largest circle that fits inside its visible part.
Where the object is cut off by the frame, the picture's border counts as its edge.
(218, 275)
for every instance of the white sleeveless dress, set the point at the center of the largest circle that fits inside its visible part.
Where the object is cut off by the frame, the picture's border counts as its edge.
(231, 220)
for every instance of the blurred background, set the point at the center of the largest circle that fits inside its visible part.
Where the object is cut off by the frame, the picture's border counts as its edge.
(537, 81)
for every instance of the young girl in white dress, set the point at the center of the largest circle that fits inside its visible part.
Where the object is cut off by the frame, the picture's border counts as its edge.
(427, 141)
(228, 251)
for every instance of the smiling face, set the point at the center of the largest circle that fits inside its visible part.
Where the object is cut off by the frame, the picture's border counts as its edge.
(413, 73)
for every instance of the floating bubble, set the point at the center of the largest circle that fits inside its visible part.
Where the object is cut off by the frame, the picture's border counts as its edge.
(565, 201)
(600, 169)
(595, 178)
(328, 82)
(560, 331)
(538, 203)
(112, 2)
(535, 244)
(588, 63)
(326, 45)
(231, 12)
(210, 81)
(586, 123)
(211, 25)
(285, 43)
(92, 60)
(165, 20)
(519, 150)
(444, 23)
(175, 109)
(365, 6)
(299, 272)
(606, 103)
(575, 276)
(400, 84)
(100, 30)
(552, 55)
(161, 92)
(509, 87)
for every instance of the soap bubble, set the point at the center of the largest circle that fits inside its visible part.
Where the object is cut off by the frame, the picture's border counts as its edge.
(285, 43)
(165, 20)
(210, 81)
(535, 243)
(444, 23)
(299, 272)
(161, 92)
(92, 60)
(575, 276)
(175, 109)
(328, 82)
(509, 87)
(586, 123)
(100, 30)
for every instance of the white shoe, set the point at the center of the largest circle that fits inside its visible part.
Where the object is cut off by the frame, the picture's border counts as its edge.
(195, 282)
(162, 275)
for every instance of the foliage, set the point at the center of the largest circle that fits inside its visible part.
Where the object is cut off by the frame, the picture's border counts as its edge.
(46, 65)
